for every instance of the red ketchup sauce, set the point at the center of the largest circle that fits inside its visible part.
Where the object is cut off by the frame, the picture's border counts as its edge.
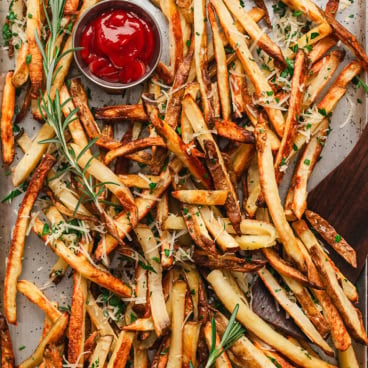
(118, 46)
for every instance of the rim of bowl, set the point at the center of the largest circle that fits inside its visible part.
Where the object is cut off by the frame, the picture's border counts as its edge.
(116, 4)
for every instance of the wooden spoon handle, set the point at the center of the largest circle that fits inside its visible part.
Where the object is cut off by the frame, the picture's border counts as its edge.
(342, 199)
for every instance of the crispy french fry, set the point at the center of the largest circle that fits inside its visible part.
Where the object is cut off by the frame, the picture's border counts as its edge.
(6, 124)
(102, 349)
(33, 27)
(201, 197)
(139, 181)
(162, 214)
(36, 296)
(122, 112)
(175, 358)
(14, 265)
(191, 333)
(320, 48)
(133, 146)
(347, 358)
(71, 6)
(271, 196)
(6, 346)
(331, 236)
(21, 72)
(159, 313)
(230, 130)
(120, 354)
(295, 108)
(256, 325)
(54, 334)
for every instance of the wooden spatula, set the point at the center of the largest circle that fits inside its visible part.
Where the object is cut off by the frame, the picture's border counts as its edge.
(342, 199)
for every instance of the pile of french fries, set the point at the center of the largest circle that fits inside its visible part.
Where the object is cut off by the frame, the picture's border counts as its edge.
(192, 193)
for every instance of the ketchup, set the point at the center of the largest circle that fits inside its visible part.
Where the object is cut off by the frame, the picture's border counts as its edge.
(118, 46)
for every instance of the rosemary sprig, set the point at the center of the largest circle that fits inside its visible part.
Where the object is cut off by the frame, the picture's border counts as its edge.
(233, 332)
(52, 108)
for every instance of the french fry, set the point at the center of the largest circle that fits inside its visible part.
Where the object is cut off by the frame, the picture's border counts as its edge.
(175, 355)
(176, 45)
(271, 196)
(102, 349)
(222, 73)
(6, 346)
(254, 31)
(139, 181)
(141, 324)
(30, 160)
(14, 265)
(34, 26)
(230, 130)
(159, 313)
(238, 85)
(162, 214)
(122, 112)
(201, 197)
(89, 271)
(295, 108)
(176, 145)
(331, 236)
(36, 296)
(298, 189)
(75, 126)
(120, 354)
(242, 158)
(257, 326)
(6, 124)
(54, 334)
(77, 320)
(245, 352)
(200, 58)
(140, 357)
(133, 146)
(332, 7)
(191, 333)
(223, 360)
(320, 48)
(21, 72)
(309, 9)
(71, 6)
(347, 358)
(251, 68)
(102, 173)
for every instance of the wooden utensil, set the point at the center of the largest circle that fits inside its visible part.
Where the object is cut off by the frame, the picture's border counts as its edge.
(342, 199)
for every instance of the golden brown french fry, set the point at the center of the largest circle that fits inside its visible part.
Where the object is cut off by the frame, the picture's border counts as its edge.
(303, 171)
(80, 100)
(133, 146)
(232, 131)
(309, 9)
(293, 310)
(21, 72)
(139, 181)
(294, 110)
(331, 236)
(242, 158)
(89, 271)
(36, 296)
(223, 360)
(54, 334)
(122, 112)
(14, 265)
(71, 6)
(176, 145)
(158, 309)
(162, 214)
(257, 326)
(347, 358)
(6, 346)
(201, 197)
(222, 73)
(200, 58)
(175, 358)
(75, 127)
(320, 48)
(254, 31)
(6, 123)
(141, 324)
(77, 320)
(103, 174)
(120, 354)
(191, 333)
(176, 45)
(271, 196)
(33, 27)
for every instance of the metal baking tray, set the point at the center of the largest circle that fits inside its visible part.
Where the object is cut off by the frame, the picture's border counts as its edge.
(38, 259)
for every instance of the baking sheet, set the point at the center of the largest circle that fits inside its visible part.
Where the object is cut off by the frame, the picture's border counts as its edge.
(38, 259)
